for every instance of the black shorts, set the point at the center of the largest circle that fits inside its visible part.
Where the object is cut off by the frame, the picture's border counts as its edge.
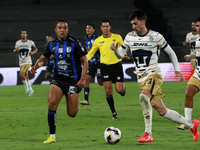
(67, 85)
(49, 68)
(94, 70)
(113, 72)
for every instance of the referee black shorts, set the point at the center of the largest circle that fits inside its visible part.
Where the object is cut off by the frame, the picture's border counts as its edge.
(113, 72)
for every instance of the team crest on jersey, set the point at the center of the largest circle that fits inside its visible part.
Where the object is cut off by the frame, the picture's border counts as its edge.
(114, 40)
(150, 38)
(69, 49)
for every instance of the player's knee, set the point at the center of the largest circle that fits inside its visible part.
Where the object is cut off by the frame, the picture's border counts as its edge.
(72, 113)
(188, 95)
(143, 99)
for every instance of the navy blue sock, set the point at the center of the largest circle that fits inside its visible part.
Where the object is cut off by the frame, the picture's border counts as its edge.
(86, 93)
(52, 119)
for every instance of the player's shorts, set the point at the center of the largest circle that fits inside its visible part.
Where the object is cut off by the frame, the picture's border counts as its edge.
(67, 85)
(25, 68)
(113, 72)
(50, 68)
(153, 84)
(94, 70)
(194, 81)
(193, 63)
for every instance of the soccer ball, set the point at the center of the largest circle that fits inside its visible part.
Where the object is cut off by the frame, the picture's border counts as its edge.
(112, 135)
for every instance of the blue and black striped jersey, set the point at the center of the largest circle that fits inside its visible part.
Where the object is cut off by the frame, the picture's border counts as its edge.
(88, 44)
(67, 54)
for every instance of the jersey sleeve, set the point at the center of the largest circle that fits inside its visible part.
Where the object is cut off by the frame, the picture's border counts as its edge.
(161, 41)
(80, 50)
(47, 52)
(93, 50)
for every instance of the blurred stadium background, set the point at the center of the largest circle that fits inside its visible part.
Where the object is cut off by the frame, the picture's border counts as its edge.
(172, 18)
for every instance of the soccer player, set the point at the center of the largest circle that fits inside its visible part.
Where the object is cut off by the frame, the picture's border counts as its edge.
(194, 82)
(191, 37)
(50, 61)
(143, 44)
(69, 76)
(94, 63)
(111, 66)
(25, 48)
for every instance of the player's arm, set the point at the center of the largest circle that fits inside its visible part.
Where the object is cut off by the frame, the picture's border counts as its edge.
(84, 62)
(16, 50)
(35, 49)
(93, 50)
(174, 61)
(119, 52)
(38, 64)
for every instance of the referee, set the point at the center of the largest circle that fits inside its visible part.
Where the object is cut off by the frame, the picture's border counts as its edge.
(111, 66)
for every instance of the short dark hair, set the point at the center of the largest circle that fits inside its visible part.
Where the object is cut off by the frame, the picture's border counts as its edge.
(60, 20)
(106, 21)
(24, 30)
(198, 19)
(139, 14)
(90, 24)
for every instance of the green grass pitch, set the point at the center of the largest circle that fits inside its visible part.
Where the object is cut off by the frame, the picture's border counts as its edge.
(23, 120)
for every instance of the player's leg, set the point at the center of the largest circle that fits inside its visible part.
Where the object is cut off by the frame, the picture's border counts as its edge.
(22, 74)
(27, 78)
(54, 97)
(150, 94)
(192, 88)
(86, 90)
(176, 117)
(120, 88)
(99, 77)
(109, 97)
(144, 99)
(118, 76)
(72, 104)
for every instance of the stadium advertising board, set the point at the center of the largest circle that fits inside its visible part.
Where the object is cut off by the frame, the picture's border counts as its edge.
(10, 76)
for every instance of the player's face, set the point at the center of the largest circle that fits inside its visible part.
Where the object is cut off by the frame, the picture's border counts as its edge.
(194, 27)
(48, 39)
(198, 27)
(105, 28)
(138, 26)
(24, 35)
(61, 30)
(89, 30)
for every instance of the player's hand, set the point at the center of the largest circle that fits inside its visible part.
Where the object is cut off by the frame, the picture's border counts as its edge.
(179, 76)
(126, 57)
(16, 49)
(186, 58)
(33, 70)
(81, 83)
(113, 46)
(31, 53)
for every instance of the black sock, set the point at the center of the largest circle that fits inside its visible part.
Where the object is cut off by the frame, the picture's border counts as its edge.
(110, 101)
(52, 119)
(86, 93)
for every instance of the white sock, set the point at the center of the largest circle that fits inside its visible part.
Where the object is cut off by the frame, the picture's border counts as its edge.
(176, 117)
(53, 135)
(147, 112)
(25, 83)
(29, 85)
(188, 113)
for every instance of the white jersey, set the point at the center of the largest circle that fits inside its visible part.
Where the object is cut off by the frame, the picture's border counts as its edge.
(144, 50)
(197, 51)
(24, 49)
(190, 37)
